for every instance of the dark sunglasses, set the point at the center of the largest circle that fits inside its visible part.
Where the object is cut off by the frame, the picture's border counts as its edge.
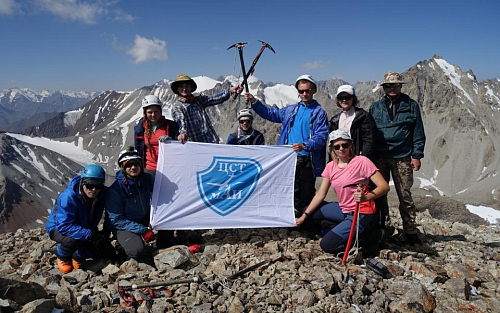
(91, 186)
(245, 121)
(304, 91)
(132, 163)
(344, 145)
(392, 85)
(342, 98)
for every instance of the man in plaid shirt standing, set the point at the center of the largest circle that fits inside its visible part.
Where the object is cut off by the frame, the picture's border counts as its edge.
(189, 111)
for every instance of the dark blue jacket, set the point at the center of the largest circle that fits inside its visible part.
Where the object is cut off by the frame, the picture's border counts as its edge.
(71, 216)
(128, 203)
(256, 138)
(401, 137)
(318, 130)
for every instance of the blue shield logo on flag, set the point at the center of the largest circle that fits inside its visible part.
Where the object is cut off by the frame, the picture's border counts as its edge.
(228, 183)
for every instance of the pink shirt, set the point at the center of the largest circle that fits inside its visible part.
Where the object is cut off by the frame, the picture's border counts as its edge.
(358, 171)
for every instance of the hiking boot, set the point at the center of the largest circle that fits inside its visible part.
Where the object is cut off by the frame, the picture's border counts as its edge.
(413, 239)
(76, 264)
(64, 266)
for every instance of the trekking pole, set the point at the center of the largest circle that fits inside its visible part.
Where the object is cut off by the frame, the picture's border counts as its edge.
(353, 226)
(195, 279)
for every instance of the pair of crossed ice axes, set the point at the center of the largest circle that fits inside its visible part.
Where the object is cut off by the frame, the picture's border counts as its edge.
(240, 46)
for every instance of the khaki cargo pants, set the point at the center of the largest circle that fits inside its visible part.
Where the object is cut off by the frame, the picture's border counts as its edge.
(402, 175)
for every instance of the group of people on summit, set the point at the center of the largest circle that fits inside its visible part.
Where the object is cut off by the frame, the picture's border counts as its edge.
(365, 150)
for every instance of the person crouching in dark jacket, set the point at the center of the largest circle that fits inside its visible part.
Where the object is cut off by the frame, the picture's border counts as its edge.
(128, 203)
(246, 134)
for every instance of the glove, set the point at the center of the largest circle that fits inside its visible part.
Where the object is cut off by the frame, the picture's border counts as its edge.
(164, 138)
(148, 236)
(99, 240)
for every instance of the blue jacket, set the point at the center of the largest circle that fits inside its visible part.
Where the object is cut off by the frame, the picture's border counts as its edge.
(71, 216)
(401, 137)
(128, 203)
(315, 144)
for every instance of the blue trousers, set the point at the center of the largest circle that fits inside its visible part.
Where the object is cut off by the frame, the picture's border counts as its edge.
(335, 240)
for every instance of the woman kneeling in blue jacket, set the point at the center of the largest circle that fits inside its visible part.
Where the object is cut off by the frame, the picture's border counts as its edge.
(128, 203)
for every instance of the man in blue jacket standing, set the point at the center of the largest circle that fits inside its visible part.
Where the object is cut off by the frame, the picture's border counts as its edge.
(399, 143)
(74, 218)
(304, 125)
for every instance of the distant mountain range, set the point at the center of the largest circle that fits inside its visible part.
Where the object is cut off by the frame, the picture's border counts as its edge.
(461, 119)
(21, 104)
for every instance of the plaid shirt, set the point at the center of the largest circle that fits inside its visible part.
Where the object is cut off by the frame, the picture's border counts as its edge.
(194, 120)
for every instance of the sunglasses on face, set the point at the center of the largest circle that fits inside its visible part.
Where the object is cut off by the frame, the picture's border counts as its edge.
(91, 186)
(132, 163)
(304, 91)
(245, 121)
(342, 98)
(392, 85)
(343, 145)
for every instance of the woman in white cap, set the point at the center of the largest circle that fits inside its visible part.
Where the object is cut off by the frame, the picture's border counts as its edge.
(246, 134)
(345, 173)
(356, 121)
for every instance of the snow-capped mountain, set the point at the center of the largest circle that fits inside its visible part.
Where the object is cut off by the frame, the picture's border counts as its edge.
(461, 119)
(21, 103)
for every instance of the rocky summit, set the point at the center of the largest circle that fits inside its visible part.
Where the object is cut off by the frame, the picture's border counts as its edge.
(455, 270)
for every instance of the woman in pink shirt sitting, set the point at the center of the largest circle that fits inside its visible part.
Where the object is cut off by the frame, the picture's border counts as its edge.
(345, 173)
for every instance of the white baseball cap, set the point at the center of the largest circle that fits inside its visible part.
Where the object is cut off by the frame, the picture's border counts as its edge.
(339, 134)
(346, 88)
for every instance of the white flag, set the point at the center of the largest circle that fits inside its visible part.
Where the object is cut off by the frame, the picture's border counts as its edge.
(203, 186)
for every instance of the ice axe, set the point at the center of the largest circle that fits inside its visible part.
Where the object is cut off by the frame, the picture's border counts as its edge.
(256, 59)
(240, 46)
(353, 225)
(129, 299)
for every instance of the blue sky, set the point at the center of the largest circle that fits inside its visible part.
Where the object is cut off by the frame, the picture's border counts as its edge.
(96, 45)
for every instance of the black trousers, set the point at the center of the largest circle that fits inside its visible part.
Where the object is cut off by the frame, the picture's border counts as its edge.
(304, 187)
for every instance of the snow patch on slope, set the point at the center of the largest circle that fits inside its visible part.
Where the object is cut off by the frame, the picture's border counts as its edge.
(449, 70)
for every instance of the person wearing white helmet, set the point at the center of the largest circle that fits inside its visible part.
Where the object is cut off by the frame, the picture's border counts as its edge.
(128, 203)
(304, 126)
(151, 129)
(356, 121)
(190, 111)
(246, 134)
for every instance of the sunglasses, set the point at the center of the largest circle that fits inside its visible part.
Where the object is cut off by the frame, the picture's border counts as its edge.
(245, 121)
(132, 163)
(342, 98)
(304, 91)
(344, 145)
(392, 85)
(91, 186)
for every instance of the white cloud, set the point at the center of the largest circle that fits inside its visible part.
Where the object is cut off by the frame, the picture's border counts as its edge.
(120, 15)
(313, 65)
(7, 7)
(148, 49)
(73, 10)
(85, 11)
